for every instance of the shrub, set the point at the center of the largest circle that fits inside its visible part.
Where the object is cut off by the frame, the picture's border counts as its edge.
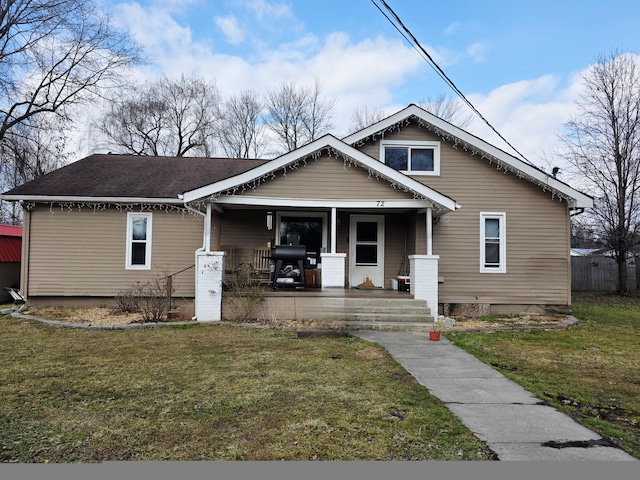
(244, 295)
(152, 299)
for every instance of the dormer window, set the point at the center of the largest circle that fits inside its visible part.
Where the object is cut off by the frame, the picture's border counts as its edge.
(413, 158)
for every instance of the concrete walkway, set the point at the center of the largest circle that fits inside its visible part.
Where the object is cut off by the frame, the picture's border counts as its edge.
(510, 420)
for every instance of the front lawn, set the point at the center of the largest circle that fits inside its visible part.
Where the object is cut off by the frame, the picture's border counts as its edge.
(591, 371)
(208, 392)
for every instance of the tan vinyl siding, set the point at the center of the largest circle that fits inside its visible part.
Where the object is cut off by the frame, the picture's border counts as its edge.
(82, 253)
(538, 270)
(327, 178)
(246, 230)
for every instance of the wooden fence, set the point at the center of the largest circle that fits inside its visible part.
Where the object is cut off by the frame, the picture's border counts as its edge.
(599, 273)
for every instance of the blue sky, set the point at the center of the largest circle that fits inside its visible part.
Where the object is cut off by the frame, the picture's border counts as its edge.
(517, 61)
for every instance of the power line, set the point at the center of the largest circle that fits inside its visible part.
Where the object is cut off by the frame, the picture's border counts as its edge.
(411, 39)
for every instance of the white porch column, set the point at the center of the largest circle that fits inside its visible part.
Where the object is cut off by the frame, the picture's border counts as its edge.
(209, 275)
(334, 229)
(207, 229)
(424, 279)
(429, 231)
(333, 269)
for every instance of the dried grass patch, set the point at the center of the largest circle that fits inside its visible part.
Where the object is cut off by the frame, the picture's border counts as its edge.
(93, 316)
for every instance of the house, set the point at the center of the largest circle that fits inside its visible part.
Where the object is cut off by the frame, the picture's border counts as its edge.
(10, 255)
(468, 225)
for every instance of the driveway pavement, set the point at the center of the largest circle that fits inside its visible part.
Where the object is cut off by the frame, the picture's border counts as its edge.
(510, 420)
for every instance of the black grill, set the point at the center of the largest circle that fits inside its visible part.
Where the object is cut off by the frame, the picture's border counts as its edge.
(289, 265)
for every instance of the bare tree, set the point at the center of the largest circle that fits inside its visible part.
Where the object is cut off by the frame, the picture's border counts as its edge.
(241, 132)
(163, 117)
(602, 143)
(298, 115)
(29, 150)
(447, 108)
(54, 55)
(364, 116)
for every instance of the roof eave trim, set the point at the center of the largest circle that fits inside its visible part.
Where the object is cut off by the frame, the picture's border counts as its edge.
(539, 177)
(58, 199)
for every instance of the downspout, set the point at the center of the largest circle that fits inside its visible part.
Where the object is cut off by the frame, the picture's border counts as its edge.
(204, 233)
(25, 254)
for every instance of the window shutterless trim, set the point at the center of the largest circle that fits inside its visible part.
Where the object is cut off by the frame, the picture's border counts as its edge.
(131, 217)
(435, 146)
(501, 266)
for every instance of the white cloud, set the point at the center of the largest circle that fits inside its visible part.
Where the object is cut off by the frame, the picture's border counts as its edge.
(264, 9)
(451, 29)
(477, 52)
(230, 28)
(529, 114)
(356, 73)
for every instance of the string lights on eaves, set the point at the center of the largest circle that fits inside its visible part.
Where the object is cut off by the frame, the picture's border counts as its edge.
(330, 152)
(120, 207)
(457, 143)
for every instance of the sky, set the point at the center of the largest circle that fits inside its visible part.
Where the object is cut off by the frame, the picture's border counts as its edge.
(518, 62)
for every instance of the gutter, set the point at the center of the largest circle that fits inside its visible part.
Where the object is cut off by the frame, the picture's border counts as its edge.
(46, 199)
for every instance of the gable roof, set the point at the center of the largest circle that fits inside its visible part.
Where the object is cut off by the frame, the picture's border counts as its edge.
(475, 145)
(129, 178)
(335, 147)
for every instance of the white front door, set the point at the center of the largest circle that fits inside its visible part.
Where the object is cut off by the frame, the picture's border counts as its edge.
(366, 251)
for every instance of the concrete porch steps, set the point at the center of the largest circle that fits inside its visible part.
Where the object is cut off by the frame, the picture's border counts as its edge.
(374, 310)
(344, 309)
(382, 326)
(362, 313)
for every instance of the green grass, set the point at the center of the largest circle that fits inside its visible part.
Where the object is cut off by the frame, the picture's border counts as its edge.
(591, 371)
(213, 393)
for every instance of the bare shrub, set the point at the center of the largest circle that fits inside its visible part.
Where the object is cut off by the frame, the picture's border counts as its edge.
(244, 296)
(152, 299)
(127, 299)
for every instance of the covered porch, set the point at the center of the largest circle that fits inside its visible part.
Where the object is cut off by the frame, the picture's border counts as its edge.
(352, 257)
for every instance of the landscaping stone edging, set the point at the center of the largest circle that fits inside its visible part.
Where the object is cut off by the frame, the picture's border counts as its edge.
(568, 322)
(89, 326)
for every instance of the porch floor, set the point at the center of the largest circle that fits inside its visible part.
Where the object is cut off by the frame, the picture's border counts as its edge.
(339, 293)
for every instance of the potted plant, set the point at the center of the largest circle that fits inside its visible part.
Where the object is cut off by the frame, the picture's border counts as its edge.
(437, 329)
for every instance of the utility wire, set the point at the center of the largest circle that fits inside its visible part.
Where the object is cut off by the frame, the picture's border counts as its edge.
(411, 39)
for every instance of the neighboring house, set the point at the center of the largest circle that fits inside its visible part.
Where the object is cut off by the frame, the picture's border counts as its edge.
(411, 194)
(10, 255)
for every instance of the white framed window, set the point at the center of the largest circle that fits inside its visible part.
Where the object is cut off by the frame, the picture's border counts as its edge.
(493, 247)
(414, 158)
(139, 226)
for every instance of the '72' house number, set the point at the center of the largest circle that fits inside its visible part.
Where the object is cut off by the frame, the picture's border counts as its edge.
(380, 203)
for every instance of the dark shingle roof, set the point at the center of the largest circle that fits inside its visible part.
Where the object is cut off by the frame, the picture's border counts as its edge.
(106, 175)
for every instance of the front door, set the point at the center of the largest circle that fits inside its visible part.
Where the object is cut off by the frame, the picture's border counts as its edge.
(366, 251)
